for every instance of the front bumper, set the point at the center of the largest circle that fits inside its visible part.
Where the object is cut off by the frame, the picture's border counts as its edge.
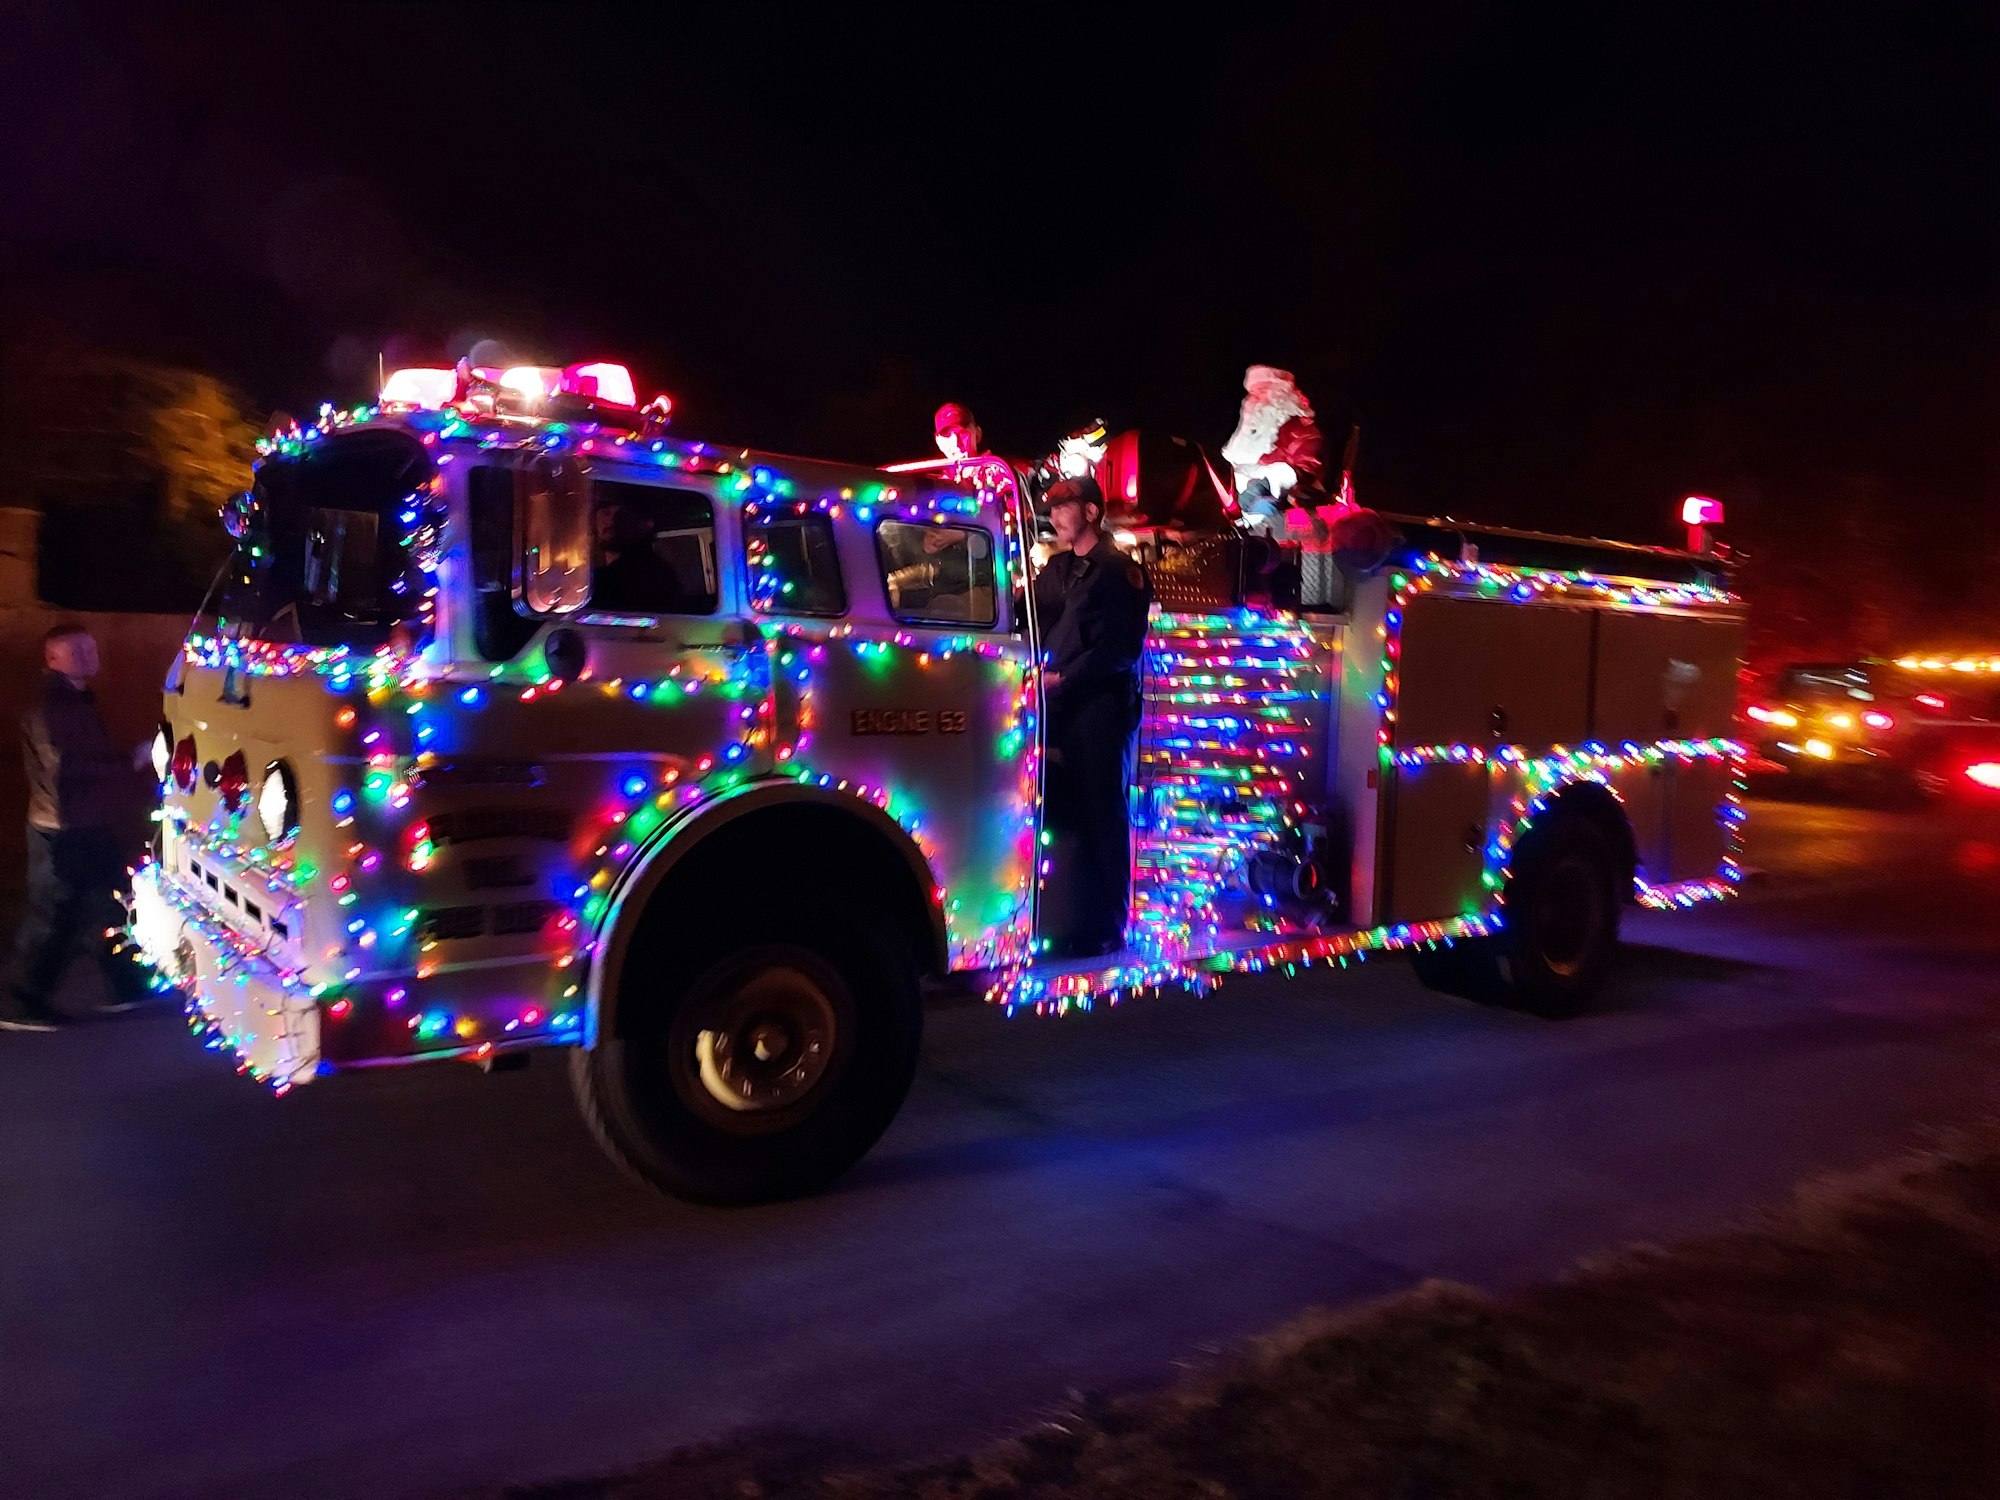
(235, 993)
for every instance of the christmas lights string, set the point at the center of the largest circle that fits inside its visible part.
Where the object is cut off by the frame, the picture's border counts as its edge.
(385, 960)
(1248, 687)
(1229, 770)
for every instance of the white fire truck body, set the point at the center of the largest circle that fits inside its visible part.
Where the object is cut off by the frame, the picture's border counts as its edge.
(531, 730)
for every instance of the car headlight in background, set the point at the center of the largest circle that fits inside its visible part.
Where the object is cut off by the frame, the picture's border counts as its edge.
(278, 802)
(163, 753)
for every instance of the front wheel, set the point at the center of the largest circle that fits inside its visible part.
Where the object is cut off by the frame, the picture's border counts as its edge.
(747, 1067)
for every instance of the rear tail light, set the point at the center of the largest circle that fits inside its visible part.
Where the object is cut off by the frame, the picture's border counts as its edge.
(234, 782)
(183, 766)
(1876, 719)
(1985, 772)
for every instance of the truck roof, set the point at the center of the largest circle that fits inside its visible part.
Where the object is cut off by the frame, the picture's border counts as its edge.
(595, 437)
(1447, 537)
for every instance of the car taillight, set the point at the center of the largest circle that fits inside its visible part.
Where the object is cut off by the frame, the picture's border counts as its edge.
(1985, 772)
(234, 782)
(183, 766)
(1876, 719)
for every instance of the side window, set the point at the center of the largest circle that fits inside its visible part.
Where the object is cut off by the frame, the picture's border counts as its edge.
(939, 574)
(499, 630)
(652, 550)
(794, 566)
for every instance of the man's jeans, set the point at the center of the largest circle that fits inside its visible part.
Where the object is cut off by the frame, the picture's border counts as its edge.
(76, 879)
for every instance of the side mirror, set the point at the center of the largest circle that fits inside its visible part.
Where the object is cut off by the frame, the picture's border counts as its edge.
(236, 512)
(552, 525)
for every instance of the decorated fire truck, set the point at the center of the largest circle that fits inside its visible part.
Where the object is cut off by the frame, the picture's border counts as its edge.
(519, 723)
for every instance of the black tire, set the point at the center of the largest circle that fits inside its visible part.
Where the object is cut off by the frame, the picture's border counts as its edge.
(1559, 932)
(1560, 917)
(753, 1065)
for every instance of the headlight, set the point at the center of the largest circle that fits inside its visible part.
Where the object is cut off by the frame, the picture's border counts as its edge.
(163, 753)
(278, 802)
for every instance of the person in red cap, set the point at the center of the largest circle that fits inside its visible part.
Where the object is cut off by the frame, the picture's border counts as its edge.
(958, 435)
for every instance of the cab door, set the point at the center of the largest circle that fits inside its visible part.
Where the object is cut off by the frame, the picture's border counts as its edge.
(901, 674)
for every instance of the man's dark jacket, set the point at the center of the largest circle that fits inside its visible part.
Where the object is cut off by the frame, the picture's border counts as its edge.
(76, 776)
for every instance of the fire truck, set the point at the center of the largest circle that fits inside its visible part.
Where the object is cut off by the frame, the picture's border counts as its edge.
(1925, 724)
(519, 723)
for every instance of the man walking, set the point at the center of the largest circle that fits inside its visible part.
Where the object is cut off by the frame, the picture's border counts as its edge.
(76, 867)
(1092, 602)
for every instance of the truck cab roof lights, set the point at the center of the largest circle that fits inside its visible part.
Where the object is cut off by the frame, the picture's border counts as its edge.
(533, 384)
(424, 389)
(608, 383)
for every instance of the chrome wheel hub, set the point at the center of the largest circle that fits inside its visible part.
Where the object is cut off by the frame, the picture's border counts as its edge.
(767, 1044)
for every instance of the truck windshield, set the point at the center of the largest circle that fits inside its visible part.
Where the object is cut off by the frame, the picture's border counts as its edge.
(326, 560)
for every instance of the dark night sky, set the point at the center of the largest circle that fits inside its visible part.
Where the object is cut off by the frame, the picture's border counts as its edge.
(1563, 267)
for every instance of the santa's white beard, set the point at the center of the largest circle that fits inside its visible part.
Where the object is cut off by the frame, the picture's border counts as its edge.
(1257, 428)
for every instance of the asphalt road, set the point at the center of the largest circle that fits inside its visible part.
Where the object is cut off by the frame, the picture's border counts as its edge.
(411, 1282)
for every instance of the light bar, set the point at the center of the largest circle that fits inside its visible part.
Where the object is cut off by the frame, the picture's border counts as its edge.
(611, 384)
(428, 390)
(534, 384)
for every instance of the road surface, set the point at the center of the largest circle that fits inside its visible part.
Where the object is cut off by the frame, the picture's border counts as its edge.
(406, 1283)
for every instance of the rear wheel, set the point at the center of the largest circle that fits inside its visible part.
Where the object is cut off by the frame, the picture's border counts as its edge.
(749, 1067)
(1559, 927)
(1561, 916)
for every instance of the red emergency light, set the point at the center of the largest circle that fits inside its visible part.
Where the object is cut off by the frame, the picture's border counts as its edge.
(1698, 513)
(608, 383)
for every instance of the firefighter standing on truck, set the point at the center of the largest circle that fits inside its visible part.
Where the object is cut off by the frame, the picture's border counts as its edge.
(1092, 601)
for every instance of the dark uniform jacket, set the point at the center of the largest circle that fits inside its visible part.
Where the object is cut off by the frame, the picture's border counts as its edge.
(1093, 615)
(76, 777)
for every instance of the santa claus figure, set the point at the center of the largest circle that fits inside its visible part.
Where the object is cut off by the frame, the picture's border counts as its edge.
(1275, 450)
